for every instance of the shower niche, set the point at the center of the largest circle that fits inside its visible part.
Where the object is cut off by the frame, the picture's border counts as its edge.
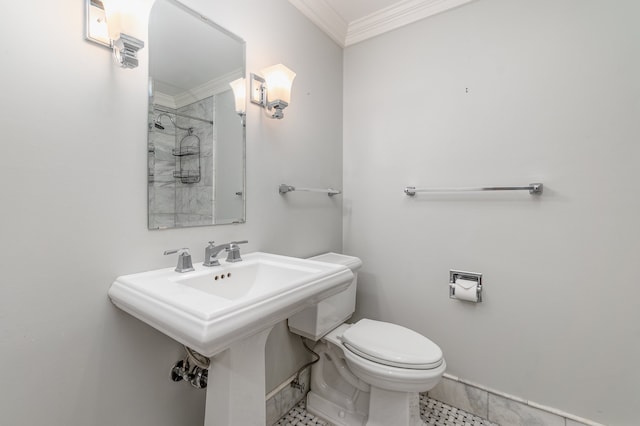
(196, 141)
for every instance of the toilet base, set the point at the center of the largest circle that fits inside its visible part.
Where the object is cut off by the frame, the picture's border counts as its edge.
(394, 408)
(337, 415)
(385, 408)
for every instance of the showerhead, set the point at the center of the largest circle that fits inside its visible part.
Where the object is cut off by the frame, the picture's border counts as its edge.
(158, 125)
(157, 122)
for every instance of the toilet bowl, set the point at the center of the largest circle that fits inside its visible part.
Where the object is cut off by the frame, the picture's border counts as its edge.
(370, 372)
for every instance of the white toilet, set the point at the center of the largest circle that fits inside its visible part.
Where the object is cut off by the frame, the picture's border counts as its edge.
(371, 372)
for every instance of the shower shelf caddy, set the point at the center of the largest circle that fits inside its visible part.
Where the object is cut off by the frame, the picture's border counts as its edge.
(188, 152)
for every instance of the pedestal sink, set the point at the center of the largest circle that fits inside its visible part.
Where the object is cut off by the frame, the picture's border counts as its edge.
(226, 313)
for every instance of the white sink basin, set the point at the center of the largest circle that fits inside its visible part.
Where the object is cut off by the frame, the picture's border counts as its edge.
(211, 308)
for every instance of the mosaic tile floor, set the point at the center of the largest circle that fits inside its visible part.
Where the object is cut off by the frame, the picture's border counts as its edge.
(432, 412)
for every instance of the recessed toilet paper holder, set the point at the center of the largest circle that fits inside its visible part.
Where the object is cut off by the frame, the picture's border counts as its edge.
(468, 276)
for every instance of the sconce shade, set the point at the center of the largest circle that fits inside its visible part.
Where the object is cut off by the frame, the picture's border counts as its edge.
(279, 80)
(239, 88)
(123, 17)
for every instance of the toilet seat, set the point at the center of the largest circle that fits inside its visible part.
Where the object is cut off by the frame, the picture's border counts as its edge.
(392, 345)
(393, 378)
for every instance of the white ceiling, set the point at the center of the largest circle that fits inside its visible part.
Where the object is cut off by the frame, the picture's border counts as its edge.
(351, 21)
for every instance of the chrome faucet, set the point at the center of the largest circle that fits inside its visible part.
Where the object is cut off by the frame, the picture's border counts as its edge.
(184, 259)
(212, 251)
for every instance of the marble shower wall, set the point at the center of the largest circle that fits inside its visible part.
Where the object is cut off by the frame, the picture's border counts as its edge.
(162, 163)
(194, 201)
(172, 202)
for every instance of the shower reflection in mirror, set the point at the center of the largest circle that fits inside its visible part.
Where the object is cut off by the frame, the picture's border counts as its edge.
(188, 150)
(196, 147)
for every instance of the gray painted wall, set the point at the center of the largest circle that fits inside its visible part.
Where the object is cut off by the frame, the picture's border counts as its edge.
(553, 94)
(74, 209)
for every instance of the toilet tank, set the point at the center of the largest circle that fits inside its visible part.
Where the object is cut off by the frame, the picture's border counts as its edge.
(316, 321)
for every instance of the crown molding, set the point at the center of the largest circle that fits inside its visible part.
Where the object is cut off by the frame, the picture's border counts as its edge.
(396, 16)
(390, 18)
(163, 99)
(208, 89)
(198, 93)
(323, 15)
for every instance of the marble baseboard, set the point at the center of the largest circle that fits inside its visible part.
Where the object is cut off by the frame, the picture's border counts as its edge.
(507, 412)
(501, 408)
(459, 395)
(285, 397)
(497, 407)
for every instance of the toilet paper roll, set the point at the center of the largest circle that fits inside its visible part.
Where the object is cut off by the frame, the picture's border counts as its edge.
(466, 290)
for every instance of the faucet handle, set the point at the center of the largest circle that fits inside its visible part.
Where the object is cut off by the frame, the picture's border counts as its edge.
(233, 251)
(184, 259)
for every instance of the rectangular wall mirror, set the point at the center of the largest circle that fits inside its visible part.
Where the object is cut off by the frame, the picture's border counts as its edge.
(196, 141)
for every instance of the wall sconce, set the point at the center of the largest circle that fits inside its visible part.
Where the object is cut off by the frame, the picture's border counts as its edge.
(239, 88)
(105, 23)
(274, 90)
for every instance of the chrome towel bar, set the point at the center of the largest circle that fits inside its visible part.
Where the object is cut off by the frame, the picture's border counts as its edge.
(283, 189)
(533, 188)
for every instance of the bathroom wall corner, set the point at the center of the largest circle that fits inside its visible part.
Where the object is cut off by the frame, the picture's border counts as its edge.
(284, 397)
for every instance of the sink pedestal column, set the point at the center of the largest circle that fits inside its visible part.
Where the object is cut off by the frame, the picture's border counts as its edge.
(236, 386)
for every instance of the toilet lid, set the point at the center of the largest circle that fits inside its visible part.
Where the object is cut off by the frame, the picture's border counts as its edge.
(391, 344)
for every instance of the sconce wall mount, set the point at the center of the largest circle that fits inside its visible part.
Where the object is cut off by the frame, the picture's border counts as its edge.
(125, 47)
(258, 91)
(125, 50)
